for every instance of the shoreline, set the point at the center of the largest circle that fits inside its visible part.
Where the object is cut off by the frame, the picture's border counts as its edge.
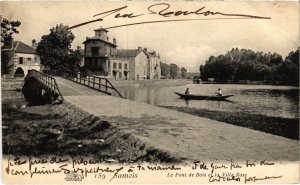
(285, 127)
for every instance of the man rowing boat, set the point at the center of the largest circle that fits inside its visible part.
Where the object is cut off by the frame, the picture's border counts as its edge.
(187, 91)
(219, 92)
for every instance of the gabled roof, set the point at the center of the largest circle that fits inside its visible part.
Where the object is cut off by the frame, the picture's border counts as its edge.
(21, 47)
(97, 38)
(127, 52)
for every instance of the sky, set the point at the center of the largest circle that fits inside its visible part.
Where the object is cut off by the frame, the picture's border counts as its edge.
(187, 44)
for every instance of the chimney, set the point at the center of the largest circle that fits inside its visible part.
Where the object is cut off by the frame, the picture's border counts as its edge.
(78, 47)
(140, 48)
(145, 49)
(114, 41)
(34, 44)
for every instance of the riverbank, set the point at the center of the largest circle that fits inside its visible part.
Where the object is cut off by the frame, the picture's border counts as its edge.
(27, 131)
(286, 127)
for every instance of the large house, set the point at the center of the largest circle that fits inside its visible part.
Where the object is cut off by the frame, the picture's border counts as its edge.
(21, 58)
(103, 58)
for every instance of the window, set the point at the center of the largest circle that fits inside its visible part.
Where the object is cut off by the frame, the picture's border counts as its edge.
(29, 59)
(95, 51)
(120, 65)
(125, 66)
(114, 65)
(21, 60)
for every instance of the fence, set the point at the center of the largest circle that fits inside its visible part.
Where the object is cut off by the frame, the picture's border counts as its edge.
(95, 82)
(46, 80)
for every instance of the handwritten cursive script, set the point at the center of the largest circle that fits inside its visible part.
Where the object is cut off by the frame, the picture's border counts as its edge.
(163, 10)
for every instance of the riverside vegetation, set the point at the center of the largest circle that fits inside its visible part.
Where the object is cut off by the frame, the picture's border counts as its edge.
(286, 127)
(245, 64)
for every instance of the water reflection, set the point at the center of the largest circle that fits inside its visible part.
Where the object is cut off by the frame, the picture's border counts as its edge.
(269, 100)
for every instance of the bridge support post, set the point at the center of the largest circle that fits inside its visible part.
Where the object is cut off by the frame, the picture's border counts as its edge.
(93, 82)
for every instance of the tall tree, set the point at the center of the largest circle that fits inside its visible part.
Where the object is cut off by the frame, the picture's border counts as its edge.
(8, 28)
(183, 72)
(165, 70)
(173, 70)
(55, 49)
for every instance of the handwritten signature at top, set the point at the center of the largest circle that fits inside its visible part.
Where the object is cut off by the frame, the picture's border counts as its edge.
(164, 10)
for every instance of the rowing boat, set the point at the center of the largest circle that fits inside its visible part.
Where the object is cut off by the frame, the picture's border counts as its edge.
(202, 97)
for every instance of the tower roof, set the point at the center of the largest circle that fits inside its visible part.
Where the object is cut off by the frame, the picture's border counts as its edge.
(99, 39)
(101, 29)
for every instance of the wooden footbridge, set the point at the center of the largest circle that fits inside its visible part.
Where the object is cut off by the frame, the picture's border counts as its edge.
(62, 85)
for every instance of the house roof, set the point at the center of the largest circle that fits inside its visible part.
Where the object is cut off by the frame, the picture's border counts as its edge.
(127, 52)
(21, 47)
(153, 54)
(97, 38)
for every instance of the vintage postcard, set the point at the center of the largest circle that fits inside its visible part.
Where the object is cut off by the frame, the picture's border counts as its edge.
(150, 92)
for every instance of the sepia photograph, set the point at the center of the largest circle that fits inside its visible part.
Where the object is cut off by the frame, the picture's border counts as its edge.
(150, 92)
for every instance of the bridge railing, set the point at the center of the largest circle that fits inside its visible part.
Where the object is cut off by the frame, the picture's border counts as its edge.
(47, 80)
(95, 82)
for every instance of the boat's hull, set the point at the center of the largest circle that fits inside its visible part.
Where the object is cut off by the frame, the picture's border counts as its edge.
(202, 97)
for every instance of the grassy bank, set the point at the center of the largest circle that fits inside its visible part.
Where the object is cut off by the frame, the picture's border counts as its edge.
(286, 127)
(26, 132)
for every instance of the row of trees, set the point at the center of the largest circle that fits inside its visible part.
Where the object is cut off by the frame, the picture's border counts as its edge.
(245, 64)
(172, 71)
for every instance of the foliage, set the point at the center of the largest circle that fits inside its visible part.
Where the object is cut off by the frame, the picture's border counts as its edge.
(6, 67)
(54, 50)
(8, 28)
(165, 70)
(286, 127)
(173, 70)
(183, 72)
(245, 64)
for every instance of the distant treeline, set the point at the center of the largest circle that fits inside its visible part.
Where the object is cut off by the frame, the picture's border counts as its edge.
(245, 64)
(172, 71)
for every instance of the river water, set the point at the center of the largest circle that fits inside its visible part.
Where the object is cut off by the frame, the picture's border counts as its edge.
(281, 101)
